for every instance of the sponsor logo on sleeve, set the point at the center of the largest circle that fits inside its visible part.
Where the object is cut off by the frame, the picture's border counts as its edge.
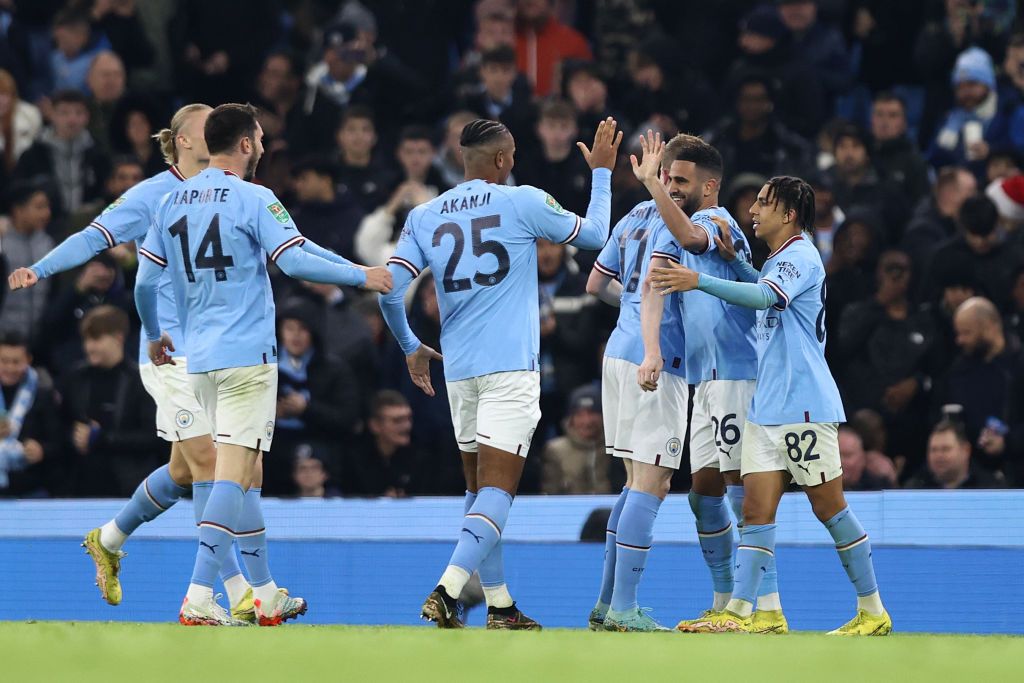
(279, 213)
(553, 203)
(113, 205)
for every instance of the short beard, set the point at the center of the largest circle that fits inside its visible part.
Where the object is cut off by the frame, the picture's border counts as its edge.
(250, 169)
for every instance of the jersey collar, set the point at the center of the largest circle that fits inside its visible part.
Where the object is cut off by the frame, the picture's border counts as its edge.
(785, 244)
(227, 172)
(176, 173)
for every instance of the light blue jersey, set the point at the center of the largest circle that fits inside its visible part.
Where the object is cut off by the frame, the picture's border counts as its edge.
(794, 384)
(213, 234)
(719, 335)
(479, 240)
(126, 219)
(627, 257)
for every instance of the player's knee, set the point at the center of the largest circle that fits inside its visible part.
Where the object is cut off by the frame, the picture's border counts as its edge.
(755, 512)
(180, 472)
(708, 482)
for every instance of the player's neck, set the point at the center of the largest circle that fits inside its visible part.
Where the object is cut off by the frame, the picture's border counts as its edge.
(190, 167)
(486, 177)
(228, 163)
(776, 241)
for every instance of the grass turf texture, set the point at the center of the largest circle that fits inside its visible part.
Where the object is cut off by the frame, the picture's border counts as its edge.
(109, 652)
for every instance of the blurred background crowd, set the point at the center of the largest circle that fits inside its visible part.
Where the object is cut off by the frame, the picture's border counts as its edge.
(907, 117)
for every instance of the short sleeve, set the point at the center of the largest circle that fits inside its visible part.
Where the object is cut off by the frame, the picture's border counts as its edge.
(608, 261)
(665, 245)
(275, 229)
(545, 217)
(125, 219)
(152, 247)
(408, 254)
(703, 221)
(790, 276)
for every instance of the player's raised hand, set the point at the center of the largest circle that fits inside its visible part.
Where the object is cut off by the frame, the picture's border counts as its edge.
(159, 350)
(649, 372)
(648, 168)
(606, 145)
(22, 278)
(726, 248)
(419, 367)
(378, 279)
(674, 278)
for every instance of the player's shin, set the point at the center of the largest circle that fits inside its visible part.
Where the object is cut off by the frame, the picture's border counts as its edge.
(854, 550)
(481, 532)
(220, 519)
(768, 599)
(635, 536)
(753, 556)
(608, 574)
(154, 496)
(252, 544)
(714, 531)
(492, 569)
(230, 573)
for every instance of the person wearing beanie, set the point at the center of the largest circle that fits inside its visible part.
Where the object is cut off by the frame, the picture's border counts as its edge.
(576, 462)
(975, 125)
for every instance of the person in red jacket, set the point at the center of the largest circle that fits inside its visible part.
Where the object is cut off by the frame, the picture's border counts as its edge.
(543, 42)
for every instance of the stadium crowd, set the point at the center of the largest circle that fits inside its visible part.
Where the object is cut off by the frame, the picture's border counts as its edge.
(906, 117)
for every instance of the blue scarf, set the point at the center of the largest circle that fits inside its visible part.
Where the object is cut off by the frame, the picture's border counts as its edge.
(12, 452)
(294, 371)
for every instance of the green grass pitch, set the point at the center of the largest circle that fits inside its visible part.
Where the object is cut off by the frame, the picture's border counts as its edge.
(152, 653)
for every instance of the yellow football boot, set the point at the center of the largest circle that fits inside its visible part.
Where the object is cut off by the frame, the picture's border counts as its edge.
(769, 621)
(865, 624)
(108, 566)
(722, 622)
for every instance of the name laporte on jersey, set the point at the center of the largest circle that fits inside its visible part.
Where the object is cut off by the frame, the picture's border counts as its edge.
(207, 196)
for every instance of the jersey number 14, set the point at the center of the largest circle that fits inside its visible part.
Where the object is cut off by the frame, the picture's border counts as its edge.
(211, 243)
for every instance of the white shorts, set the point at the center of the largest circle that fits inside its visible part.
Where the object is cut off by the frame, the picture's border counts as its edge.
(716, 428)
(643, 426)
(241, 404)
(807, 450)
(178, 413)
(499, 410)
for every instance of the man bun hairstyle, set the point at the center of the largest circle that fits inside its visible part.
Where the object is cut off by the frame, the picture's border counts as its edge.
(228, 124)
(481, 132)
(685, 147)
(795, 195)
(166, 137)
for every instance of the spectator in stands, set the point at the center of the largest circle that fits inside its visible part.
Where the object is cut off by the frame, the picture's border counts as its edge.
(982, 378)
(121, 25)
(448, 161)
(131, 134)
(327, 214)
(934, 219)
(113, 442)
(976, 124)
(495, 26)
(496, 97)
(949, 463)
(857, 185)
(22, 245)
(359, 170)
(587, 91)
(30, 445)
(980, 250)
(383, 462)
(20, 123)
(284, 114)
(557, 166)
(827, 216)
(1008, 196)
(857, 476)
(1010, 86)
(73, 51)
(379, 231)
(665, 89)
(895, 155)
(99, 283)
(125, 173)
(742, 194)
(577, 462)
(849, 275)
(543, 42)
(883, 355)
(753, 141)
(310, 476)
(106, 82)
(353, 71)
(66, 155)
(819, 45)
(318, 399)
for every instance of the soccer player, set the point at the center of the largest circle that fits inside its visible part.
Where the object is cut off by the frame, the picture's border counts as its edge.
(644, 420)
(179, 419)
(721, 360)
(792, 426)
(210, 238)
(479, 239)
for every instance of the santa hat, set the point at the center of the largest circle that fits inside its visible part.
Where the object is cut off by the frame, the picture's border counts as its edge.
(1008, 196)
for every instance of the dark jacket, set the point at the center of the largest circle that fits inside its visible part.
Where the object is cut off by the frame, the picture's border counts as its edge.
(332, 225)
(42, 424)
(977, 478)
(900, 162)
(124, 448)
(778, 151)
(925, 233)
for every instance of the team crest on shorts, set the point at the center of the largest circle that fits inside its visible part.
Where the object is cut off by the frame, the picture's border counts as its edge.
(674, 447)
(270, 431)
(184, 419)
